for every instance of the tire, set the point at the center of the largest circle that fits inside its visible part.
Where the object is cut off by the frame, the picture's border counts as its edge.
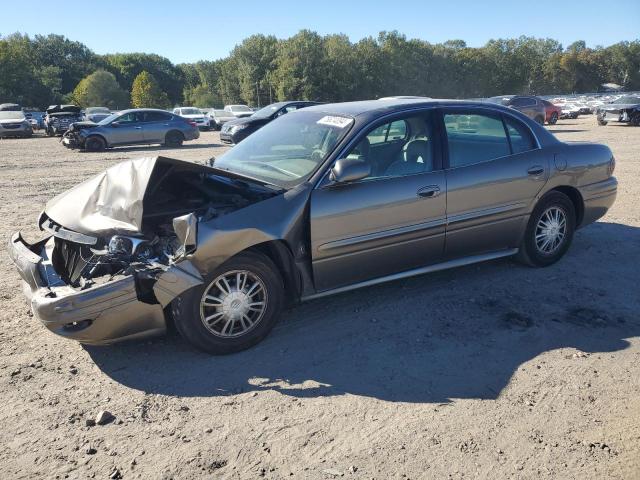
(601, 122)
(540, 120)
(553, 119)
(532, 252)
(173, 139)
(635, 120)
(50, 132)
(229, 315)
(95, 144)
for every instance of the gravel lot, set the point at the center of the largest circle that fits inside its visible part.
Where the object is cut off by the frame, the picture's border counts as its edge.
(490, 371)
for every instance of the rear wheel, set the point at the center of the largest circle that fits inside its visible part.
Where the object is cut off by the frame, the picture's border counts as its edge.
(635, 120)
(601, 121)
(553, 119)
(540, 120)
(95, 144)
(173, 139)
(549, 232)
(237, 305)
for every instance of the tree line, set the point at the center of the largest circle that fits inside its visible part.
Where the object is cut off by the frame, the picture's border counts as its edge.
(48, 69)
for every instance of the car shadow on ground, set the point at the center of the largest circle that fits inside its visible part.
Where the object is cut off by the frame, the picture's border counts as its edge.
(456, 334)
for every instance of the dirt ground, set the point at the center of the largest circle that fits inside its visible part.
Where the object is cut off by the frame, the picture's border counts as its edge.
(488, 371)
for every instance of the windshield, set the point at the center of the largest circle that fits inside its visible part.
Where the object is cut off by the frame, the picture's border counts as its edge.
(190, 111)
(267, 111)
(109, 119)
(627, 100)
(221, 113)
(240, 108)
(5, 115)
(287, 151)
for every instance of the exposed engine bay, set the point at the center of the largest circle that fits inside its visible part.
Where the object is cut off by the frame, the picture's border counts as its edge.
(138, 218)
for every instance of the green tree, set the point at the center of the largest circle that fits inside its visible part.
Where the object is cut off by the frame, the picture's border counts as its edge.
(100, 89)
(146, 92)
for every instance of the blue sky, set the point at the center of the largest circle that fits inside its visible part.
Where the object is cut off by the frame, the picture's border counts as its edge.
(186, 31)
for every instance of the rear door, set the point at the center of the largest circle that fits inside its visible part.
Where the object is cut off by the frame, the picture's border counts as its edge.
(126, 129)
(156, 125)
(494, 171)
(389, 222)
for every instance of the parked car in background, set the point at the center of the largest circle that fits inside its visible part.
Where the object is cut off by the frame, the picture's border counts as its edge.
(96, 114)
(132, 127)
(569, 110)
(320, 201)
(14, 123)
(60, 117)
(239, 111)
(237, 130)
(194, 114)
(13, 107)
(625, 109)
(532, 107)
(218, 118)
(552, 112)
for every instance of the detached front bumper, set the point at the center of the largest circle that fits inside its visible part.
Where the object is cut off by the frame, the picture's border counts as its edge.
(98, 315)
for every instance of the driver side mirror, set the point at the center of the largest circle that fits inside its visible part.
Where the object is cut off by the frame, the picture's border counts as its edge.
(348, 170)
(114, 124)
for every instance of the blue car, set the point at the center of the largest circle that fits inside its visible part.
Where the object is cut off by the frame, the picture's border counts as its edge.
(140, 126)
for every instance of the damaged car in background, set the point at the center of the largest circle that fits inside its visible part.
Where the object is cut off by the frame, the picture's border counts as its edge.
(59, 118)
(625, 109)
(320, 201)
(138, 126)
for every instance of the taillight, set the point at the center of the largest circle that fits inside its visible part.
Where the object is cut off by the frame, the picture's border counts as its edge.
(192, 123)
(612, 165)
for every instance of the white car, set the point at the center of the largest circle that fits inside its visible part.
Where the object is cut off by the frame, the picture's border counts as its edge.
(569, 110)
(195, 114)
(219, 117)
(239, 111)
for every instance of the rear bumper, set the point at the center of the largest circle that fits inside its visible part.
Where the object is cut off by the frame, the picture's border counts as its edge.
(98, 315)
(192, 134)
(598, 199)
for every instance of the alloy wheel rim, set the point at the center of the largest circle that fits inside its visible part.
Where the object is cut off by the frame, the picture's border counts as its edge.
(233, 304)
(551, 230)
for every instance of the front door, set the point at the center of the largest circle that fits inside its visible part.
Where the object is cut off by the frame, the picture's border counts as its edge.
(389, 222)
(495, 171)
(128, 129)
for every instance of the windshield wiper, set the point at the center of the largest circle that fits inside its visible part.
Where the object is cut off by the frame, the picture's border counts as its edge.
(270, 167)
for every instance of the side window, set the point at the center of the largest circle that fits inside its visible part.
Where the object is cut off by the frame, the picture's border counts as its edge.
(521, 139)
(475, 138)
(128, 118)
(291, 108)
(156, 117)
(398, 148)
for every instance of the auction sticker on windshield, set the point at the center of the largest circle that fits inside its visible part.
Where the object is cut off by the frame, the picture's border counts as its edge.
(334, 121)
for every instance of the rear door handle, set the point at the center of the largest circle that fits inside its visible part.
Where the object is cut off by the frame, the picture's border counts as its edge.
(429, 191)
(536, 170)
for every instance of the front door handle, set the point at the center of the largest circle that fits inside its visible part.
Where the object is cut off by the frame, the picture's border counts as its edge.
(429, 191)
(536, 170)
(138, 128)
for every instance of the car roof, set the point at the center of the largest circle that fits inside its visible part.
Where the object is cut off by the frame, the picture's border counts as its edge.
(143, 110)
(391, 105)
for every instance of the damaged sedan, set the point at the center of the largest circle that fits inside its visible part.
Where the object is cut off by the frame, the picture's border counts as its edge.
(320, 201)
(624, 110)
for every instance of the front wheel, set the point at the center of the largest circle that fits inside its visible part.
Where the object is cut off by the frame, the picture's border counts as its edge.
(601, 122)
(549, 232)
(95, 144)
(236, 307)
(553, 119)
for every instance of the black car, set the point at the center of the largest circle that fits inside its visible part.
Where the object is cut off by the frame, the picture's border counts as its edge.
(625, 110)
(237, 130)
(60, 117)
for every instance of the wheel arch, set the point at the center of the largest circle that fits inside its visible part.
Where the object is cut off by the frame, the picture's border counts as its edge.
(280, 253)
(576, 198)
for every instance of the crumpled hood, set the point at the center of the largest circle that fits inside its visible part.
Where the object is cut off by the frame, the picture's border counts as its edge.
(113, 200)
